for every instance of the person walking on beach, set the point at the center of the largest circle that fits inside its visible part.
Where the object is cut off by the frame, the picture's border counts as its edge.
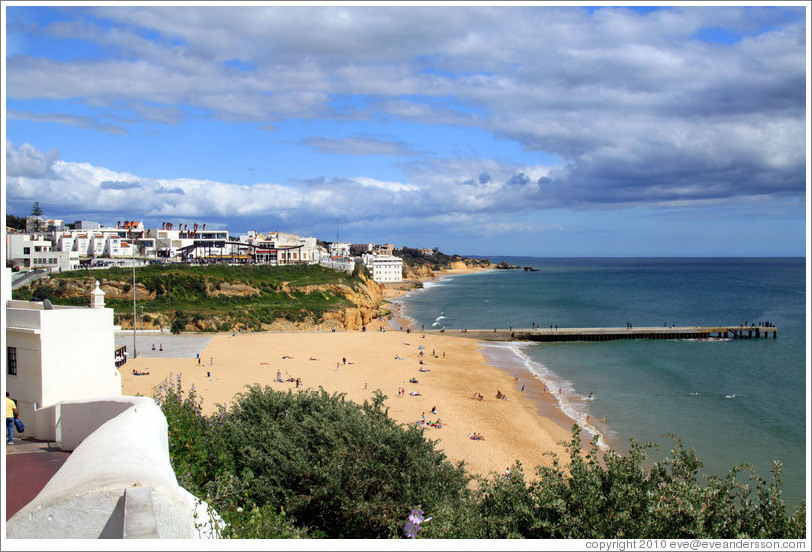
(11, 414)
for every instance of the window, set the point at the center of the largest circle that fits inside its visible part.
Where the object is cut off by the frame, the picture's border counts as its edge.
(12, 360)
(26, 250)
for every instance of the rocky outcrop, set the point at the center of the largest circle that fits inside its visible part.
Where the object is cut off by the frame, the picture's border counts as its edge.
(70, 288)
(367, 298)
(420, 273)
(226, 289)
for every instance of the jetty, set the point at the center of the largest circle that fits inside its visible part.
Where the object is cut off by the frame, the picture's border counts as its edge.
(551, 335)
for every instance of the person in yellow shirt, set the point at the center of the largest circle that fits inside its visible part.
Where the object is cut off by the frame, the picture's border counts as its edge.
(11, 413)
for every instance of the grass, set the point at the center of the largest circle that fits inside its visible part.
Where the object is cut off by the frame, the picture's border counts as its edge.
(185, 292)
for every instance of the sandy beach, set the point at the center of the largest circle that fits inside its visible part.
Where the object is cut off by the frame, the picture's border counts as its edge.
(512, 428)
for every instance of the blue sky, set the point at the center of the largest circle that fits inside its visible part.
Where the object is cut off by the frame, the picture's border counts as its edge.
(675, 130)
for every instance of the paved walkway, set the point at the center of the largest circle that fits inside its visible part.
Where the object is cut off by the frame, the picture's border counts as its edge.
(30, 464)
(174, 345)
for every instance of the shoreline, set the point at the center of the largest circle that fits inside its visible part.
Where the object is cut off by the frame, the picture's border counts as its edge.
(536, 388)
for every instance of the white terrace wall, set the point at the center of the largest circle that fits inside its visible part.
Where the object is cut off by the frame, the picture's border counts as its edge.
(88, 496)
(71, 422)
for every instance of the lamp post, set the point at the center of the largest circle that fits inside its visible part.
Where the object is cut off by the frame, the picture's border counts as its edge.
(132, 250)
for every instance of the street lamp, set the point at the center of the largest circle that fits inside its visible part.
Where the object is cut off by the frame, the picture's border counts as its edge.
(132, 250)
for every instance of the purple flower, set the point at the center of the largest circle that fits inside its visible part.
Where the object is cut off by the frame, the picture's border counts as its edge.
(416, 516)
(412, 529)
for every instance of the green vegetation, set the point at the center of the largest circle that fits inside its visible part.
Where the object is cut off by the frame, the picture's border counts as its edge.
(17, 223)
(183, 292)
(313, 465)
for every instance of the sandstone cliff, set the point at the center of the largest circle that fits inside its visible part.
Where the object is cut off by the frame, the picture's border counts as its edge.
(363, 294)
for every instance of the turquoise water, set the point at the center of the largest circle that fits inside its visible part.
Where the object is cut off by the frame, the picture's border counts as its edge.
(734, 401)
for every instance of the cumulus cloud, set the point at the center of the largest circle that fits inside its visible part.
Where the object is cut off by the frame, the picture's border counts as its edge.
(28, 162)
(637, 107)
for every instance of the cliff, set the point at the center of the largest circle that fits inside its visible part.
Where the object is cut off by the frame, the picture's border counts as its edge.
(221, 299)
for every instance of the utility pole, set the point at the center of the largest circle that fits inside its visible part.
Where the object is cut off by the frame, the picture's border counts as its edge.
(132, 250)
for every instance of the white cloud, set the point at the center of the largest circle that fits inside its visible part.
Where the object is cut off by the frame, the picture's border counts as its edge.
(27, 161)
(637, 110)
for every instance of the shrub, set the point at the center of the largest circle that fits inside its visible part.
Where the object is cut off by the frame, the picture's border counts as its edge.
(587, 499)
(335, 466)
(196, 442)
(285, 465)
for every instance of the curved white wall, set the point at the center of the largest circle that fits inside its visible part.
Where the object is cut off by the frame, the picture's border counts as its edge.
(85, 499)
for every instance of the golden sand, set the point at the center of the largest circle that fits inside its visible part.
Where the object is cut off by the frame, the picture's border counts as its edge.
(512, 429)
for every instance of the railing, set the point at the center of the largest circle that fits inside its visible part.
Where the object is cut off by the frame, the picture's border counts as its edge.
(120, 356)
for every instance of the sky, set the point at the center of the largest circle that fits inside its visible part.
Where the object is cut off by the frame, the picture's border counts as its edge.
(481, 129)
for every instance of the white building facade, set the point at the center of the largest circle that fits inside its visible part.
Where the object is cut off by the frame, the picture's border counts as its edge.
(58, 353)
(35, 251)
(384, 268)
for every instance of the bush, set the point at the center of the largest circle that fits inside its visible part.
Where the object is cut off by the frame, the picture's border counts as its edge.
(619, 499)
(285, 465)
(346, 470)
(196, 442)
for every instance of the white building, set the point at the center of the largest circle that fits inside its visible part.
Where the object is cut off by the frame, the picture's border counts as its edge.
(34, 224)
(58, 353)
(35, 251)
(340, 250)
(196, 242)
(286, 248)
(384, 268)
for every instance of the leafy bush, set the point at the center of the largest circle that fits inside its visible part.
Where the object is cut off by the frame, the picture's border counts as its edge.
(344, 469)
(196, 442)
(587, 499)
(285, 465)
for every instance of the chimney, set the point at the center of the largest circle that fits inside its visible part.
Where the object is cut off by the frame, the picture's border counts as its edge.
(97, 297)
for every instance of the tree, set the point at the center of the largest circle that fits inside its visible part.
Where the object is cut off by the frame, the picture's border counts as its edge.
(36, 211)
(18, 223)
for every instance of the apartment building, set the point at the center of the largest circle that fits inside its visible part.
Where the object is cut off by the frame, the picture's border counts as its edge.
(384, 268)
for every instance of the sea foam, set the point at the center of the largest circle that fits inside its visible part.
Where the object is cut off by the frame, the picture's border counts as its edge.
(510, 356)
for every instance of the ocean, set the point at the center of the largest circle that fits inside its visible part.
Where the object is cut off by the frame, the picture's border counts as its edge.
(734, 401)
